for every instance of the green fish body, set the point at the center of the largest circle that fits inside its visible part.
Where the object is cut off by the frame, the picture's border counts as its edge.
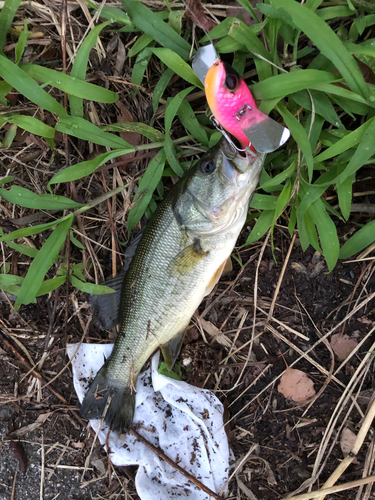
(178, 261)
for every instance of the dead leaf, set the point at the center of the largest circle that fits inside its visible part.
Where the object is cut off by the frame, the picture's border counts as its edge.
(31, 427)
(347, 440)
(343, 345)
(296, 385)
(20, 454)
(194, 11)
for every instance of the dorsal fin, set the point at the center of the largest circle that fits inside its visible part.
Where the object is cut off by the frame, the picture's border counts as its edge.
(105, 307)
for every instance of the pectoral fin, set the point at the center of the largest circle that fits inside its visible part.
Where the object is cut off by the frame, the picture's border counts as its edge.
(186, 260)
(172, 349)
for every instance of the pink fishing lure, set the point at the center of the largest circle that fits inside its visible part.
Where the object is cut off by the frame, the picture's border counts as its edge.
(227, 94)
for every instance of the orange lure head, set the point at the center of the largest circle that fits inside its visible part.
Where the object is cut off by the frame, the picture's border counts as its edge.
(227, 93)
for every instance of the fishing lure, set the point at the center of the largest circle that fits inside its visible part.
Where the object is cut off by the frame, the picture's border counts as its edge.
(233, 106)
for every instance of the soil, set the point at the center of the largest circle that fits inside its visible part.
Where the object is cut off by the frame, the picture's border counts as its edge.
(308, 302)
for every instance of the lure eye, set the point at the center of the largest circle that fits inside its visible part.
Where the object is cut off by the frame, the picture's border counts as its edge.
(231, 82)
(208, 167)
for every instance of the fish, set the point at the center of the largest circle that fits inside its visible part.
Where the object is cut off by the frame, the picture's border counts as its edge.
(234, 107)
(178, 260)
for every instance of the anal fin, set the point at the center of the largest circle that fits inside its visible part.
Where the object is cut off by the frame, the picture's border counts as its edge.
(172, 349)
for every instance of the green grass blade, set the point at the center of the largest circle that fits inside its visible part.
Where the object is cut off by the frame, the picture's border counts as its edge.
(84, 168)
(140, 67)
(162, 33)
(79, 67)
(178, 65)
(28, 87)
(70, 84)
(362, 238)
(263, 202)
(41, 264)
(141, 128)
(344, 144)
(21, 44)
(23, 249)
(299, 135)
(344, 192)
(364, 151)
(287, 83)
(49, 285)
(147, 186)
(142, 42)
(7, 14)
(190, 122)
(262, 225)
(29, 231)
(24, 198)
(327, 42)
(327, 233)
(83, 129)
(160, 88)
(245, 36)
(32, 125)
(83, 286)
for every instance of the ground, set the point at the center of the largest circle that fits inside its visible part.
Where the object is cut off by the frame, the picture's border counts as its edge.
(286, 436)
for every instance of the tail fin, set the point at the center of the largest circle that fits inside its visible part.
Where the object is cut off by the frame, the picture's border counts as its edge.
(119, 398)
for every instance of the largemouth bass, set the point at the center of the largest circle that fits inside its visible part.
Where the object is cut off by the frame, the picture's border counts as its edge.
(178, 261)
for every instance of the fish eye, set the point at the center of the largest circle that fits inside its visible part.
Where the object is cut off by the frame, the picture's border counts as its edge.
(231, 82)
(208, 167)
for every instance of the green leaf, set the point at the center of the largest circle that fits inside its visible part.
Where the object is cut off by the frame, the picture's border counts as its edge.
(139, 68)
(143, 129)
(24, 198)
(263, 202)
(21, 44)
(299, 135)
(83, 286)
(160, 88)
(245, 36)
(147, 186)
(262, 225)
(344, 192)
(327, 233)
(307, 231)
(5, 180)
(344, 144)
(42, 262)
(31, 124)
(7, 14)
(86, 167)
(364, 151)
(149, 23)
(178, 65)
(322, 105)
(270, 184)
(83, 129)
(142, 42)
(49, 285)
(327, 42)
(23, 249)
(190, 122)
(175, 20)
(362, 238)
(287, 83)
(70, 84)
(79, 67)
(28, 87)
(28, 231)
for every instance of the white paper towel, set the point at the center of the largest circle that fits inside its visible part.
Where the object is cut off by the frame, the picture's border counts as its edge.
(184, 421)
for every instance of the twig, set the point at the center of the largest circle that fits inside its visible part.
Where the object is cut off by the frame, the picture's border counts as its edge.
(334, 489)
(356, 447)
(169, 461)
